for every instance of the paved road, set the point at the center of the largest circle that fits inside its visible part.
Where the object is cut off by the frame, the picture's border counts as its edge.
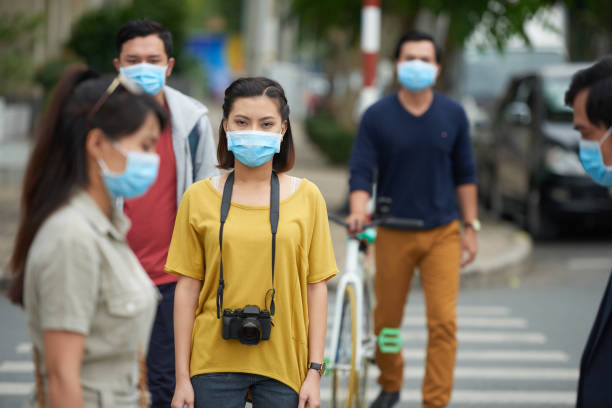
(521, 334)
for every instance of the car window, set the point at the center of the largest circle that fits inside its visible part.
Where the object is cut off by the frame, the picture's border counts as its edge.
(520, 100)
(554, 99)
(485, 73)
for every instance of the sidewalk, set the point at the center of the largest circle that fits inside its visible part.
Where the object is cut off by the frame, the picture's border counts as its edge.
(502, 245)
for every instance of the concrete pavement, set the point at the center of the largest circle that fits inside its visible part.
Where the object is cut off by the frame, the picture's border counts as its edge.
(502, 245)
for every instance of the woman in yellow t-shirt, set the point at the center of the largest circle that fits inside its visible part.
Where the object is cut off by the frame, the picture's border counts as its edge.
(257, 240)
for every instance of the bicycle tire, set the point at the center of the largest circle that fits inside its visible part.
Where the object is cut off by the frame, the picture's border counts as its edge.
(362, 383)
(343, 396)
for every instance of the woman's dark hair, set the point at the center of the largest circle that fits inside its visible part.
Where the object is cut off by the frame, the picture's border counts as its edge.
(598, 80)
(143, 28)
(417, 36)
(58, 165)
(246, 88)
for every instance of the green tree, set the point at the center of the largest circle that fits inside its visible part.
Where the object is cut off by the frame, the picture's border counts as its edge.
(18, 33)
(500, 20)
(590, 29)
(93, 35)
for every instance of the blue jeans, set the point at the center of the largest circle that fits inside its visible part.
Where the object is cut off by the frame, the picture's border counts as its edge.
(229, 390)
(160, 359)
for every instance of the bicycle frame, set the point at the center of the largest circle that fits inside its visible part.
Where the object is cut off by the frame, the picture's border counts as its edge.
(354, 275)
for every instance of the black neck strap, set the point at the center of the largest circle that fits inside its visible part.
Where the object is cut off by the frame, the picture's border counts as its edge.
(274, 214)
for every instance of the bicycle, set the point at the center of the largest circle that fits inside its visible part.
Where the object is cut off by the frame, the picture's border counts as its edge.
(353, 341)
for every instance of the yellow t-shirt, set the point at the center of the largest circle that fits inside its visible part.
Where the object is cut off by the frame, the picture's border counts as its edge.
(304, 254)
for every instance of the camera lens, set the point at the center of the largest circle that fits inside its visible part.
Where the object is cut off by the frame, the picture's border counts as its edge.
(250, 332)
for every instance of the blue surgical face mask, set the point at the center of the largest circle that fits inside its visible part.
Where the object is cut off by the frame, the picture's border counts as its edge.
(139, 174)
(253, 147)
(150, 77)
(416, 75)
(592, 160)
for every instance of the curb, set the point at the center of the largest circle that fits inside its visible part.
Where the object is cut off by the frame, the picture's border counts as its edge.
(522, 246)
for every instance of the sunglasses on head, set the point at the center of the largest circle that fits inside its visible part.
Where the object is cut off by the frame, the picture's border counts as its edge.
(129, 84)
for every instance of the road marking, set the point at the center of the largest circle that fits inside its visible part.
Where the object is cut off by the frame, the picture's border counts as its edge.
(474, 322)
(467, 336)
(16, 388)
(16, 367)
(496, 355)
(499, 373)
(529, 398)
(466, 310)
(581, 264)
(495, 373)
(475, 337)
(24, 348)
(419, 310)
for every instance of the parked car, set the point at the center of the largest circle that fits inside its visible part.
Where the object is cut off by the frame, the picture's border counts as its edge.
(535, 172)
(484, 76)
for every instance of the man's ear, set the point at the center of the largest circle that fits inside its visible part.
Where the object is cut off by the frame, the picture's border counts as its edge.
(170, 67)
(116, 64)
(439, 70)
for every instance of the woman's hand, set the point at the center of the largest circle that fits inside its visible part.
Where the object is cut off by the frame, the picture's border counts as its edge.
(183, 394)
(310, 393)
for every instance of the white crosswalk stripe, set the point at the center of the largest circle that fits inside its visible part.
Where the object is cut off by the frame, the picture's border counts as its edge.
(16, 367)
(17, 372)
(24, 348)
(474, 322)
(496, 355)
(501, 361)
(496, 373)
(16, 388)
(489, 397)
(465, 336)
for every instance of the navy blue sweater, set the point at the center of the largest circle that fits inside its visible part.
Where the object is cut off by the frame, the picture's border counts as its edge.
(420, 159)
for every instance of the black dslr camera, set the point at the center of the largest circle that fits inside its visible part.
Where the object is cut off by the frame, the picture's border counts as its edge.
(249, 325)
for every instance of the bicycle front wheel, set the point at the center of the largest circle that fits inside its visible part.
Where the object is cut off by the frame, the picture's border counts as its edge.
(345, 380)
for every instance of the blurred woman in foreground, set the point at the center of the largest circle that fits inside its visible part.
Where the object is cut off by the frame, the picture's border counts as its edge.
(89, 303)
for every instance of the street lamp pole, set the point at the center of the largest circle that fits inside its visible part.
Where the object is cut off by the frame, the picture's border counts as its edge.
(370, 45)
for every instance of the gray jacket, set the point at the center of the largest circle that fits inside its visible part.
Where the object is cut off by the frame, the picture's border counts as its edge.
(192, 140)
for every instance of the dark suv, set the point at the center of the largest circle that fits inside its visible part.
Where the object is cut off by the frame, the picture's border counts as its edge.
(535, 174)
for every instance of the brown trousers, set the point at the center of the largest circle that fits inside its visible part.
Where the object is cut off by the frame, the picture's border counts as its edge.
(437, 254)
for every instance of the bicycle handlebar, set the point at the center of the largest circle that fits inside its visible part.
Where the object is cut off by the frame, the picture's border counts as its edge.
(383, 222)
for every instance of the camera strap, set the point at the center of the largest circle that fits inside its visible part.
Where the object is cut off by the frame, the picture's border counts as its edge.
(226, 202)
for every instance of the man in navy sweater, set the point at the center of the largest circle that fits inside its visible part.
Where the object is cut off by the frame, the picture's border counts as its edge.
(417, 143)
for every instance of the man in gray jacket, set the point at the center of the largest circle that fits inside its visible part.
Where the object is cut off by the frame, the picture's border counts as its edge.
(187, 154)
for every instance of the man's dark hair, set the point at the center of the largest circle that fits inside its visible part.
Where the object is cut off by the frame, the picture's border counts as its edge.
(417, 36)
(143, 28)
(598, 80)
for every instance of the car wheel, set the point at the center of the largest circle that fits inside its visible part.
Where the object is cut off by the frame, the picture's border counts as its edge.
(539, 223)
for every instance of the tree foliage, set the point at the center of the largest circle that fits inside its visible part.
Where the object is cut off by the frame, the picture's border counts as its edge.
(501, 19)
(589, 24)
(18, 33)
(93, 35)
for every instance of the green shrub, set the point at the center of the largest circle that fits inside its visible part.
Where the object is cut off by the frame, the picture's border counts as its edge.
(93, 35)
(333, 139)
(50, 72)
